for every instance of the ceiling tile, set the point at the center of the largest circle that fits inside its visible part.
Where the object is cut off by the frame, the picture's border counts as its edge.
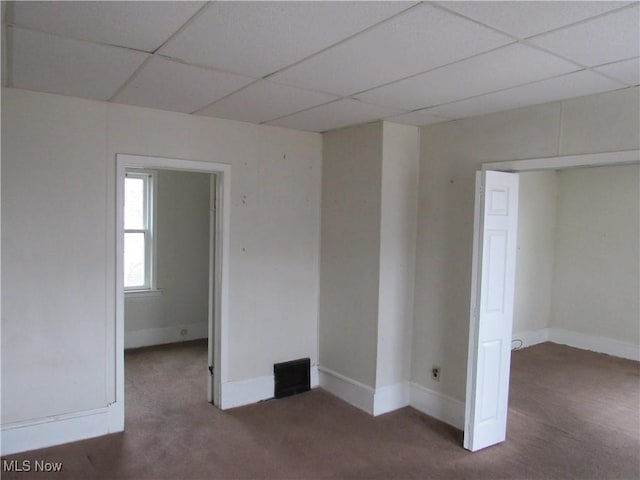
(70, 67)
(423, 38)
(627, 71)
(572, 85)
(526, 18)
(602, 40)
(418, 118)
(139, 25)
(264, 101)
(257, 38)
(170, 85)
(334, 115)
(503, 68)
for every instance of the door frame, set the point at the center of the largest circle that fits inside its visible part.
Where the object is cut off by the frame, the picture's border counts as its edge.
(218, 266)
(624, 157)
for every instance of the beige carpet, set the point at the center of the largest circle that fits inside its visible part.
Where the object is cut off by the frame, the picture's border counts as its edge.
(573, 415)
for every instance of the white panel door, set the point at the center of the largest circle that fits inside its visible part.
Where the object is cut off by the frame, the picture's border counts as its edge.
(492, 295)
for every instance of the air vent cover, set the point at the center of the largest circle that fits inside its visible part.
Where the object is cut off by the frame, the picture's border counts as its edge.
(292, 377)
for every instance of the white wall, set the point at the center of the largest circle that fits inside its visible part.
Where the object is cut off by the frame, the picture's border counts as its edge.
(369, 211)
(54, 241)
(58, 237)
(450, 154)
(350, 251)
(536, 250)
(399, 215)
(182, 275)
(597, 272)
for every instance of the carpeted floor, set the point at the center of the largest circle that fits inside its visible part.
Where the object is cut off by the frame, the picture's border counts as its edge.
(573, 415)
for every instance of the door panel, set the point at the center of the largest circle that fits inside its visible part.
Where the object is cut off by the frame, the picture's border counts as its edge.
(495, 232)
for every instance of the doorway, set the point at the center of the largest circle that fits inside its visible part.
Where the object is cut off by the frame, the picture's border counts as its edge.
(488, 358)
(166, 281)
(217, 311)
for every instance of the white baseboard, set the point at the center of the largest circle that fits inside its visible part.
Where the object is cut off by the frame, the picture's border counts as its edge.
(390, 398)
(253, 390)
(161, 335)
(351, 391)
(373, 401)
(437, 405)
(616, 348)
(58, 429)
(245, 392)
(532, 337)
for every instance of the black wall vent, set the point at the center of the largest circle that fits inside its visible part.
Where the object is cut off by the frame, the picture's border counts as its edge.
(292, 377)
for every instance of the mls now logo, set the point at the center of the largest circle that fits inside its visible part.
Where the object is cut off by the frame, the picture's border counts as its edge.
(29, 466)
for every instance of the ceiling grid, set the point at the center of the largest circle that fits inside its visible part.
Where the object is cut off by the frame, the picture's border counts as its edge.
(322, 65)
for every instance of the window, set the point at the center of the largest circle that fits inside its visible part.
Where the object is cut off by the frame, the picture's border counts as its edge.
(138, 231)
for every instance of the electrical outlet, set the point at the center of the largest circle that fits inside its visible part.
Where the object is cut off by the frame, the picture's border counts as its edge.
(435, 373)
(184, 332)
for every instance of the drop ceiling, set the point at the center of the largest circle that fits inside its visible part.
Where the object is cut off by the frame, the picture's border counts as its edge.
(322, 65)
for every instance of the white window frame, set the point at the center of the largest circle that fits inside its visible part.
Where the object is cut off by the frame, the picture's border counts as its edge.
(149, 177)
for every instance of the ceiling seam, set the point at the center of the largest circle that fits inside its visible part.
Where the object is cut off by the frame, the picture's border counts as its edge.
(525, 40)
(408, 77)
(155, 52)
(353, 95)
(303, 110)
(539, 34)
(402, 111)
(267, 76)
(617, 61)
(578, 69)
(258, 80)
(346, 39)
(203, 66)
(550, 52)
(520, 40)
(76, 39)
(195, 112)
(585, 20)
(471, 19)
(609, 77)
(426, 108)
(598, 72)
(182, 27)
(498, 91)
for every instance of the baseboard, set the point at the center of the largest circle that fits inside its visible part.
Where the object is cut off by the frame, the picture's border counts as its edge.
(437, 405)
(253, 390)
(351, 391)
(58, 429)
(161, 335)
(390, 398)
(532, 337)
(616, 348)
(373, 401)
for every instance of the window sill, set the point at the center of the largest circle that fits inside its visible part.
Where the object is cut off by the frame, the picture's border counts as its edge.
(142, 293)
